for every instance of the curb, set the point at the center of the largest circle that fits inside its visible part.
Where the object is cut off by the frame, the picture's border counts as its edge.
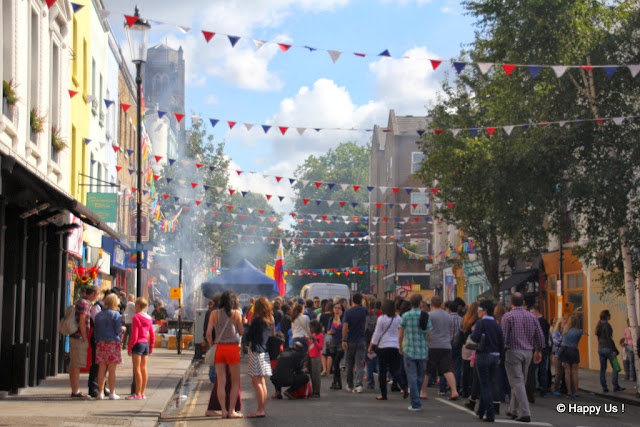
(614, 397)
(188, 373)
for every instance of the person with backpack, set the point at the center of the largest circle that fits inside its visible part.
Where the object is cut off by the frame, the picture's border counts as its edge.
(79, 340)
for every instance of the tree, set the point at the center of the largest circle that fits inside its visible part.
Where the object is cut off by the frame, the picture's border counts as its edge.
(348, 163)
(602, 168)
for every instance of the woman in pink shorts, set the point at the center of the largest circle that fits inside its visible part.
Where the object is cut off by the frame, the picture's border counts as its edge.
(108, 333)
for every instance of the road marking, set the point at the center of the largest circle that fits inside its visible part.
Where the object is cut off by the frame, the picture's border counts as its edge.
(194, 400)
(503, 421)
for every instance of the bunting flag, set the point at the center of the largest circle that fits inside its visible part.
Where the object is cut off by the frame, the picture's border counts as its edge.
(50, 3)
(72, 93)
(76, 7)
(125, 107)
(108, 103)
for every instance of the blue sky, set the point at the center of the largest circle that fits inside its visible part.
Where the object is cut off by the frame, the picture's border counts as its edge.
(298, 88)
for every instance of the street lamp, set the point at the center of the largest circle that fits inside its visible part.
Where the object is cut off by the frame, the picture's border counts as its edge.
(397, 234)
(138, 35)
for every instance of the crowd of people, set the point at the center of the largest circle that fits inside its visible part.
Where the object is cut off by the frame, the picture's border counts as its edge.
(488, 353)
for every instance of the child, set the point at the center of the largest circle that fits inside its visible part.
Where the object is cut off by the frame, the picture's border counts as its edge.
(140, 346)
(315, 352)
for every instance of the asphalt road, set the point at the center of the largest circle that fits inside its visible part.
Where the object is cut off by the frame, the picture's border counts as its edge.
(339, 408)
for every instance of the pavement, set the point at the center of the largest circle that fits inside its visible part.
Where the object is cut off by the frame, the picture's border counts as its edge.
(50, 404)
(589, 382)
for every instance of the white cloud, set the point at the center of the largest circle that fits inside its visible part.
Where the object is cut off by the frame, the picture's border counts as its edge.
(406, 2)
(211, 100)
(407, 85)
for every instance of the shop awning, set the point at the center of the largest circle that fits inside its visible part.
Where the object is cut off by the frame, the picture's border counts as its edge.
(518, 277)
(25, 187)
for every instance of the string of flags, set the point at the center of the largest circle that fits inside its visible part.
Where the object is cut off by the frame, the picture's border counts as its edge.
(334, 54)
(346, 271)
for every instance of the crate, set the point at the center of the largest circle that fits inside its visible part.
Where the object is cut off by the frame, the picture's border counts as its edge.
(158, 342)
(172, 343)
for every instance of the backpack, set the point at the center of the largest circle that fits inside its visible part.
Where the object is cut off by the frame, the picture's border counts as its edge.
(424, 320)
(68, 324)
(370, 326)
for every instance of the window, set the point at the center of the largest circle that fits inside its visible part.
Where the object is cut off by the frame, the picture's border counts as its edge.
(552, 283)
(419, 199)
(421, 245)
(7, 40)
(91, 176)
(390, 170)
(34, 63)
(75, 48)
(416, 159)
(84, 67)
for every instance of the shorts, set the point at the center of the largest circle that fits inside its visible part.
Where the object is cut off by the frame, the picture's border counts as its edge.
(141, 349)
(569, 355)
(439, 362)
(229, 354)
(108, 352)
(78, 349)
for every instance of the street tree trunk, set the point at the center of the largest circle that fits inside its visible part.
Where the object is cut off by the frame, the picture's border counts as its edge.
(630, 290)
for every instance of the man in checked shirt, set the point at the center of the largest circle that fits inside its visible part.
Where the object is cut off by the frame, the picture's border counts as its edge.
(522, 337)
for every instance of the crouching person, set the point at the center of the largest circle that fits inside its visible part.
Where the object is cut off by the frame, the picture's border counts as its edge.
(291, 372)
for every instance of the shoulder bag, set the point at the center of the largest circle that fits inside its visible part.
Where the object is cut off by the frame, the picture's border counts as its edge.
(210, 355)
(374, 347)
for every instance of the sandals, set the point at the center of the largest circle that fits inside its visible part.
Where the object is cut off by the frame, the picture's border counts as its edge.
(256, 415)
(236, 415)
(381, 398)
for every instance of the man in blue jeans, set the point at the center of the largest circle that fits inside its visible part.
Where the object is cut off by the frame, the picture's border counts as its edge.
(413, 345)
(354, 342)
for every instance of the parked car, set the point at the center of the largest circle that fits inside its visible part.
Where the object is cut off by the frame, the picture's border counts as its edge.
(324, 291)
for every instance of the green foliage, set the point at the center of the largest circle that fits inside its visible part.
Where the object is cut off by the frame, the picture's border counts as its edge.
(9, 92)
(57, 142)
(347, 163)
(36, 121)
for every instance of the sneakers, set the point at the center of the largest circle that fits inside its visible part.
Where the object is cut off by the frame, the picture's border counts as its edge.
(287, 394)
(412, 409)
(79, 395)
(619, 389)
(358, 389)
(557, 394)
(100, 396)
(349, 388)
(113, 396)
(134, 397)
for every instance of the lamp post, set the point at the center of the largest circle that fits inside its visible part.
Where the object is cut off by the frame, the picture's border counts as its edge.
(138, 35)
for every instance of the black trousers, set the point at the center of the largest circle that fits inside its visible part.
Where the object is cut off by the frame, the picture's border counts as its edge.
(294, 383)
(92, 383)
(337, 353)
(389, 360)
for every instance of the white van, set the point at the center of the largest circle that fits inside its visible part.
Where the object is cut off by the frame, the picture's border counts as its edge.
(324, 291)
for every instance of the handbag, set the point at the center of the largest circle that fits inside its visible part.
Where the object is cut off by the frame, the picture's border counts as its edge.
(477, 346)
(615, 364)
(374, 347)
(210, 355)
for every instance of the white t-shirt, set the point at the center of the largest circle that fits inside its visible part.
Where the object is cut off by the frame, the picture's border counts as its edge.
(300, 326)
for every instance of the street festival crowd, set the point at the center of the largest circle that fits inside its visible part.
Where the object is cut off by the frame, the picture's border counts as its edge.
(489, 354)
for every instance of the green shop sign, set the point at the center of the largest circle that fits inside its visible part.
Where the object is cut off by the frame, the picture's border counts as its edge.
(105, 205)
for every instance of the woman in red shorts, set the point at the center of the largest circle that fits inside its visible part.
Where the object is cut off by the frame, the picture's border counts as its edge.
(108, 333)
(227, 321)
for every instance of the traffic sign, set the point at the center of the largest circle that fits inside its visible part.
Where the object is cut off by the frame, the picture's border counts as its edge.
(175, 293)
(402, 292)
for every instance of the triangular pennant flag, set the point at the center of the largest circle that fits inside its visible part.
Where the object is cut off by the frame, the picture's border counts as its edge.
(129, 151)
(330, 186)
(281, 198)
(385, 53)
(455, 132)
(283, 129)
(198, 202)
(208, 35)
(179, 116)
(370, 188)
(305, 201)
(115, 148)
(534, 70)
(206, 187)
(408, 190)
(134, 189)
(231, 191)
(184, 29)
(268, 196)
(610, 70)
(334, 54)
(284, 47)
(156, 177)
(125, 107)
(395, 190)
(50, 3)
(165, 196)
(214, 122)
(248, 126)
(131, 20)
(473, 132)
(108, 103)
(231, 124)
(212, 168)
(508, 129)
(171, 161)
(118, 168)
(420, 132)
(618, 120)
(266, 128)
(634, 69)
(561, 123)
(291, 181)
(559, 70)
(451, 205)
(104, 13)
(599, 121)
(233, 40)
(356, 187)
(361, 55)
(587, 68)
(435, 191)
(278, 178)
(459, 66)
(131, 171)
(76, 7)
(194, 184)
(491, 131)
(485, 66)
(86, 140)
(199, 165)
(91, 98)
(161, 114)
(310, 48)
(258, 43)
(244, 193)
(239, 172)
(437, 131)
(435, 63)
(169, 180)
(301, 130)
(508, 68)
(318, 184)
(72, 93)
